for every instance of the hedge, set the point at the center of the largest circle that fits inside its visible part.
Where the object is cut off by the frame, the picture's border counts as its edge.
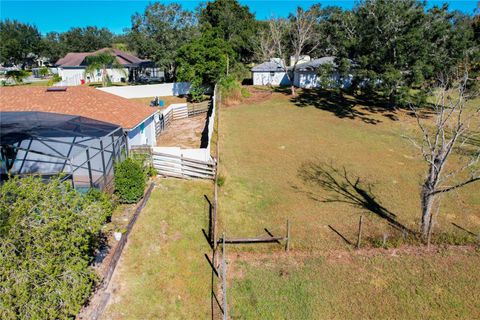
(48, 234)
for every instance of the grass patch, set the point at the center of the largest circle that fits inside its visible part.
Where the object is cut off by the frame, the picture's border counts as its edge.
(163, 273)
(424, 286)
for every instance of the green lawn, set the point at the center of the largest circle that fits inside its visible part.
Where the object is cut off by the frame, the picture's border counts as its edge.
(270, 148)
(163, 273)
(351, 286)
(275, 154)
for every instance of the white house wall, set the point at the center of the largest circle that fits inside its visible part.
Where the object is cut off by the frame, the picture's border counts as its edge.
(73, 77)
(267, 78)
(143, 134)
(310, 79)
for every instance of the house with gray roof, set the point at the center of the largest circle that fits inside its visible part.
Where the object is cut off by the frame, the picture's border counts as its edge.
(306, 74)
(270, 73)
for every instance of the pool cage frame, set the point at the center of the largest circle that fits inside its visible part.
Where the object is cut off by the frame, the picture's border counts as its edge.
(84, 152)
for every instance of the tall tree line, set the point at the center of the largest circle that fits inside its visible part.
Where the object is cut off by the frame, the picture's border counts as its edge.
(390, 47)
(21, 43)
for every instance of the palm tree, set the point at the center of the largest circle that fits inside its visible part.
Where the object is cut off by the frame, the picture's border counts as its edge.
(102, 61)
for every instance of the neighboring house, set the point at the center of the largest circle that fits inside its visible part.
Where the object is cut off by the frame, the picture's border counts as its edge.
(136, 119)
(305, 74)
(270, 73)
(72, 68)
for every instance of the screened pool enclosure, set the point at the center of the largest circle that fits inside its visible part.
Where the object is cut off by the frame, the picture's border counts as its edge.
(46, 144)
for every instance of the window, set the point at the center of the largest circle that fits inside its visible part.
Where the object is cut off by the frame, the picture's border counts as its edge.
(272, 73)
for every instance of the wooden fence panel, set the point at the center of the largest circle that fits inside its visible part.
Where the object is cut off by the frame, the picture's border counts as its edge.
(197, 108)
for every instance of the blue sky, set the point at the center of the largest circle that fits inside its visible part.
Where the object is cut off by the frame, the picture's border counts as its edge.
(62, 15)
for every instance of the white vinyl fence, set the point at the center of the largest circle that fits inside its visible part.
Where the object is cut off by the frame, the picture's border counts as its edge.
(183, 163)
(166, 116)
(186, 163)
(150, 90)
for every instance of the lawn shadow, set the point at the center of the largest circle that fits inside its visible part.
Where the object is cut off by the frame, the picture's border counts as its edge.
(344, 105)
(346, 188)
(208, 234)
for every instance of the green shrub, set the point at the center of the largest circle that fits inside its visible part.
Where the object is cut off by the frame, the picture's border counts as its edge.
(245, 93)
(232, 91)
(129, 181)
(18, 75)
(151, 171)
(44, 71)
(55, 78)
(105, 200)
(48, 233)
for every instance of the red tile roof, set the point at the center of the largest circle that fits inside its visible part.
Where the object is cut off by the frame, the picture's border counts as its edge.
(76, 59)
(80, 100)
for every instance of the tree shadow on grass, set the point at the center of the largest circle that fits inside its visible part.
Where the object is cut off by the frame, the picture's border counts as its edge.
(344, 105)
(346, 188)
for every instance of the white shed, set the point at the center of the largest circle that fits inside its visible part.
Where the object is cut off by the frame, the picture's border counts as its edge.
(270, 73)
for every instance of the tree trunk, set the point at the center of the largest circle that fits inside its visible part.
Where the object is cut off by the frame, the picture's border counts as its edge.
(427, 205)
(392, 97)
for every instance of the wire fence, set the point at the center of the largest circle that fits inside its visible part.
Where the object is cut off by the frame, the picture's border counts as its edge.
(218, 259)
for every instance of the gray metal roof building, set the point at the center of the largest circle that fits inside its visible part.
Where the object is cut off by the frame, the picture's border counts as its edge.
(315, 63)
(269, 66)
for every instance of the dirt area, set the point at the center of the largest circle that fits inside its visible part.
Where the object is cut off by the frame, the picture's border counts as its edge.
(166, 100)
(255, 95)
(184, 133)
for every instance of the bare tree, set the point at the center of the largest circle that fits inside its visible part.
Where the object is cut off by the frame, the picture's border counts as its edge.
(295, 36)
(264, 46)
(450, 145)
